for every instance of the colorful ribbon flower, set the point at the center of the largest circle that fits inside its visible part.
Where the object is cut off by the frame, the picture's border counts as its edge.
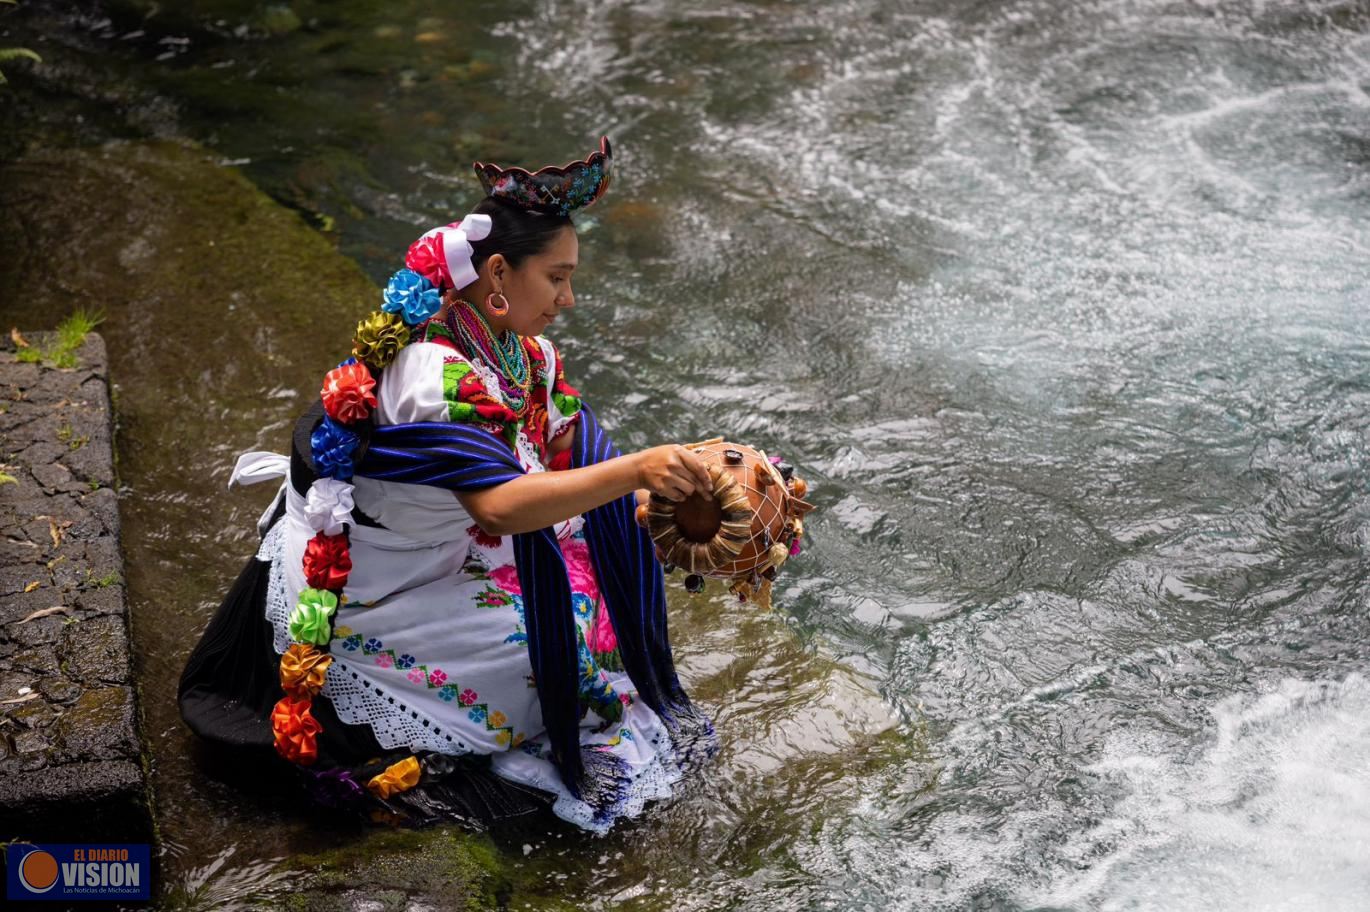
(327, 562)
(425, 258)
(335, 787)
(379, 339)
(398, 777)
(309, 622)
(303, 669)
(295, 730)
(332, 446)
(411, 296)
(348, 392)
(328, 505)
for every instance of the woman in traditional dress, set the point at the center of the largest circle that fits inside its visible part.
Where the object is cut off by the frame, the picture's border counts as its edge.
(451, 613)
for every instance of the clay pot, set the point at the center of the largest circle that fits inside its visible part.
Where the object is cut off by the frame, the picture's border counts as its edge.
(734, 532)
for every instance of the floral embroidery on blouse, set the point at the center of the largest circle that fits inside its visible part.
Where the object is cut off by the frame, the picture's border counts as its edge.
(553, 407)
(468, 400)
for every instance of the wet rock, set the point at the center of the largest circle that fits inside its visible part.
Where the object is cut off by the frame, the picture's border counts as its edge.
(21, 376)
(34, 713)
(14, 580)
(101, 600)
(38, 530)
(40, 800)
(19, 605)
(99, 726)
(53, 475)
(31, 741)
(59, 689)
(68, 574)
(12, 681)
(40, 453)
(40, 662)
(103, 504)
(96, 650)
(40, 631)
(14, 551)
(102, 560)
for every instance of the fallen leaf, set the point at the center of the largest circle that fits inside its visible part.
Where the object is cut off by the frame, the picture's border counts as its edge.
(56, 534)
(24, 699)
(33, 585)
(17, 339)
(44, 612)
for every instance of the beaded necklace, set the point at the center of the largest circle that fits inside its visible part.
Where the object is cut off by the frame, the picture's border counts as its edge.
(504, 353)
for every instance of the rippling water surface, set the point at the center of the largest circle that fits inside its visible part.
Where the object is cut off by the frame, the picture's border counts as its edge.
(1062, 309)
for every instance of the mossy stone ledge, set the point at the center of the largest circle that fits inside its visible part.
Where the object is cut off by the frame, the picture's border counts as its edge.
(71, 755)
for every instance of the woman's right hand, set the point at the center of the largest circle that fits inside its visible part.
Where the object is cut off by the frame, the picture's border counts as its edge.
(672, 471)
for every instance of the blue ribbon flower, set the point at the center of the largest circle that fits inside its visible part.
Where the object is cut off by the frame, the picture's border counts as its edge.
(411, 296)
(332, 446)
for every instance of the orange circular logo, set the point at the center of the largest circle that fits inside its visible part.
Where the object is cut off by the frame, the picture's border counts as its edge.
(38, 871)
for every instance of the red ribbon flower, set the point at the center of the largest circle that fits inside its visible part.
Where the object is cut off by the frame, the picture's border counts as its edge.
(296, 731)
(327, 562)
(348, 392)
(426, 258)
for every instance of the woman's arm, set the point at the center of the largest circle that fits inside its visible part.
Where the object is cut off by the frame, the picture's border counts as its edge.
(541, 499)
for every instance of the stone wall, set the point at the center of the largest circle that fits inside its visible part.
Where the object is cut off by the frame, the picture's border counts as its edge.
(71, 757)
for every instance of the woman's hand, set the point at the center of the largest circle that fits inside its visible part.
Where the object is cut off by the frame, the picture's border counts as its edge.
(672, 471)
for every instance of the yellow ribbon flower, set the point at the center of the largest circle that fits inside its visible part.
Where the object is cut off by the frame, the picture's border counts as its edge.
(379, 339)
(302, 670)
(398, 777)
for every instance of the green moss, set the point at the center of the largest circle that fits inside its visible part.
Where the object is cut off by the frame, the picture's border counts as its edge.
(109, 579)
(279, 20)
(65, 434)
(15, 53)
(61, 352)
(440, 867)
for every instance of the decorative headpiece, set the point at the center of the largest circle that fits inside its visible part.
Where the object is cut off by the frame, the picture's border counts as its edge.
(443, 255)
(553, 190)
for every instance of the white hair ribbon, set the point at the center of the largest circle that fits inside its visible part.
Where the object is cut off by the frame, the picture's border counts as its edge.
(456, 246)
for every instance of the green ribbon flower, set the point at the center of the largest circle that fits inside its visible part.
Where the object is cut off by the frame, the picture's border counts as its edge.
(309, 622)
(379, 339)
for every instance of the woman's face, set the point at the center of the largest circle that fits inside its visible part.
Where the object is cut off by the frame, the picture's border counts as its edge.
(540, 288)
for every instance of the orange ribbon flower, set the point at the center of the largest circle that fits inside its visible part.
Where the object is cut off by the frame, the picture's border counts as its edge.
(348, 392)
(302, 670)
(295, 731)
(398, 777)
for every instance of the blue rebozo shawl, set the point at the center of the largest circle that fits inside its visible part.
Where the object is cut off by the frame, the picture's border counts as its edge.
(464, 458)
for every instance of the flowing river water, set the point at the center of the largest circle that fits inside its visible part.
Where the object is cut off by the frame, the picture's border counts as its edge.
(1063, 308)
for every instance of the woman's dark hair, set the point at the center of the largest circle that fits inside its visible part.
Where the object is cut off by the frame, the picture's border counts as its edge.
(515, 232)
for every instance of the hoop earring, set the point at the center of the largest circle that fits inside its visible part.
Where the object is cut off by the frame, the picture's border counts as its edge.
(497, 311)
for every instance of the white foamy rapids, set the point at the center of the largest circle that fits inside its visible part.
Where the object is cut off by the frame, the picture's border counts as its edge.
(1272, 813)
(1268, 809)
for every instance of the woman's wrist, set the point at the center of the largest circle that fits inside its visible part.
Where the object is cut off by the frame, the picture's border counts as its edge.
(637, 462)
